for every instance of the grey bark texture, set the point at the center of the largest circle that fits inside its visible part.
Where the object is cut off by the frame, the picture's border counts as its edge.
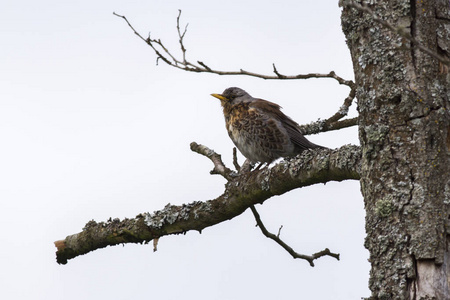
(241, 192)
(403, 102)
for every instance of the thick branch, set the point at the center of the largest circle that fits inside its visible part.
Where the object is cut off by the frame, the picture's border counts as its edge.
(276, 238)
(311, 167)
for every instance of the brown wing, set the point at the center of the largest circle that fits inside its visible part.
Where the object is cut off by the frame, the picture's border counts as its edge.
(297, 138)
(257, 134)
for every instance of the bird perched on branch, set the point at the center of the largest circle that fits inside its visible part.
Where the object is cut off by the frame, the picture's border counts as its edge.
(259, 129)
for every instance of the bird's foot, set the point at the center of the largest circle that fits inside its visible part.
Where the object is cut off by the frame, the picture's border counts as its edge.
(246, 167)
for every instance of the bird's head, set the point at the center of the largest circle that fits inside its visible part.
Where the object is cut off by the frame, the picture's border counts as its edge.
(233, 95)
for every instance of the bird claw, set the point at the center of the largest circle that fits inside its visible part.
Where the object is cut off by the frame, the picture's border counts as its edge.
(246, 167)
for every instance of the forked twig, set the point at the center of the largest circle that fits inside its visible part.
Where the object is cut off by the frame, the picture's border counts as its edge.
(200, 66)
(219, 166)
(333, 123)
(276, 238)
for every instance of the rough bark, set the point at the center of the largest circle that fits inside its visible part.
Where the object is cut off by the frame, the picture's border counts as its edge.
(241, 192)
(403, 101)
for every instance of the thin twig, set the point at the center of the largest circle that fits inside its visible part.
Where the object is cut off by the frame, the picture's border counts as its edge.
(332, 123)
(343, 110)
(201, 67)
(279, 231)
(129, 24)
(155, 244)
(158, 41)
(235, 161)
(181, 35)
(399, 30)
(276, 238)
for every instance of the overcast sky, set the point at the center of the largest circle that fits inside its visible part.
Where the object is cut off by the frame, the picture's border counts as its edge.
(92, 128)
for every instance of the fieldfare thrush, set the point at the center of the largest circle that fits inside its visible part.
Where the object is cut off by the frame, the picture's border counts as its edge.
(259, 129)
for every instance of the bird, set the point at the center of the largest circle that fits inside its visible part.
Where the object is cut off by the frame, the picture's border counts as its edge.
(259, 129)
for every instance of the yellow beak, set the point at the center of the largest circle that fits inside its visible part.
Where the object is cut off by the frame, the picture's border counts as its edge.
(220, 97)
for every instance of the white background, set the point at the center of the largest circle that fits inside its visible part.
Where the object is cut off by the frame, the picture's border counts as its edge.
(91, 128)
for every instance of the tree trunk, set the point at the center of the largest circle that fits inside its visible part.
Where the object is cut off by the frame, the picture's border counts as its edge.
(403, 101)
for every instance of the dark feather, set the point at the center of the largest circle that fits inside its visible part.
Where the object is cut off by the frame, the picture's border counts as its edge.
(259, 129)
(292, 128)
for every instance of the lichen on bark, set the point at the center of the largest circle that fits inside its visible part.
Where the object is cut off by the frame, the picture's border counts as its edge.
(403, 101)
(241, 192)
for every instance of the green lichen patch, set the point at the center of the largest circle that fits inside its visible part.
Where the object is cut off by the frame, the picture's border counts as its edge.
(384, 207)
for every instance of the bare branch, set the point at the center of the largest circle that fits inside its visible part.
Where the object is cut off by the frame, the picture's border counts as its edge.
(155, 244)
(319, 126)
(131, 26)
(276, 72)
(332, 74)
(399, 30)
(343, 110)
(181, 36)
(334, 122)
(219, 166)
(315, 127)
(147, 40)
(276, 238)
(205, 66)
(279, 231)
(311, 167)
(201, 67)
(158, 42)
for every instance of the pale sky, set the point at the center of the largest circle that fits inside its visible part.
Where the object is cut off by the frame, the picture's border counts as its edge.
(91, 128)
